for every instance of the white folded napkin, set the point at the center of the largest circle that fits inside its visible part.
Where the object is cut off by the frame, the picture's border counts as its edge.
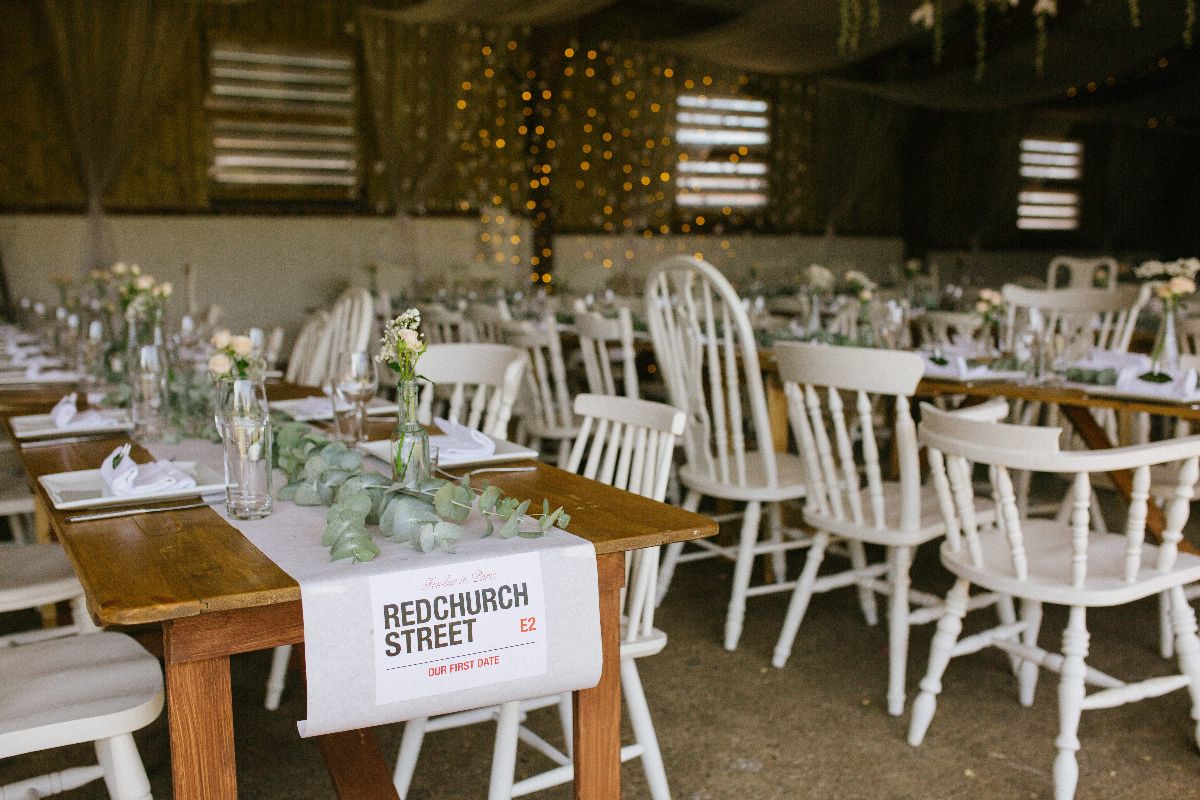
(956, 367)
(458, 443)
(1112, 359)
(66, 417)
(313, 407)
(1182, 385)
(123, 477)
(34, 372)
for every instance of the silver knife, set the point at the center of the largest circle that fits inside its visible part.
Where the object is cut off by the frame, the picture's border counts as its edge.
(129, 512)
(115, 434)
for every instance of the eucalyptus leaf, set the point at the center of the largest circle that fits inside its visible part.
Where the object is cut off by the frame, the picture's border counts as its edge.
(488, 499)
(307, 494)
(425, 538)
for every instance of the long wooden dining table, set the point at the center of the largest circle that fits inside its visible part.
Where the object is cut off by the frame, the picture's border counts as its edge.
(214, 595)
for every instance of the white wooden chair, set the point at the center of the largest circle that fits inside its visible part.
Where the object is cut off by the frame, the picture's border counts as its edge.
(274, 347)
(442, 325)
(1109, 316)
(1064, 563)
(546, 414)
(348, 331)
(16, 501)
(488, 321)
(483, 382)
(606, 344)
(1068, 272)
(302, 366)
(36, 575)
(848, 498)
(709, 359)
(629, 444)
(97, 687)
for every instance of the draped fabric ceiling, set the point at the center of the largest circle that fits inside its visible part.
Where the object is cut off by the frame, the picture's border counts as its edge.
(1087, 42)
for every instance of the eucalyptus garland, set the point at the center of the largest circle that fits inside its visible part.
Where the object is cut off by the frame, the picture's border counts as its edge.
(428, 517)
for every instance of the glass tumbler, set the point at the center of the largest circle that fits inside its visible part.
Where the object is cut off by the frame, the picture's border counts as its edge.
(245, 429)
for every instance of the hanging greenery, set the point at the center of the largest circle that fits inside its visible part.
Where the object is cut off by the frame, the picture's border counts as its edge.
(1135, 14)
(1189, 21)
(981, 9)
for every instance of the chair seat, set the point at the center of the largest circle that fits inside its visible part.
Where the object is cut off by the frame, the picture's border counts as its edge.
(789, 470)
(643, 646)
(930, 526)
(35, 574)
(1048, 549)
(78, 689)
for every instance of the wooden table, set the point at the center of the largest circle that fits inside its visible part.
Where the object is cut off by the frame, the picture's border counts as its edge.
(214, 595)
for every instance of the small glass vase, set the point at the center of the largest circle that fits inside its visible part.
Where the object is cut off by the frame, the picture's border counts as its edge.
(1164, 358)
(410, 440)
(148, 402)
(814, 315)
(865, 333)
(245, 425)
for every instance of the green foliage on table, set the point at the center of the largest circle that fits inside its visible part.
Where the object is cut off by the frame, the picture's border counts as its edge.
(1092, 377)
(428, 517)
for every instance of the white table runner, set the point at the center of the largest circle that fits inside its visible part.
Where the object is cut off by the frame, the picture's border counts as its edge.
(412, 635)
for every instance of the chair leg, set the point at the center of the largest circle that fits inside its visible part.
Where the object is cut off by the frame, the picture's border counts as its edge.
(643, 730)
(278, 676)
(801, 596)
(504, 754)
(866, 595)
(410, 749)
(124, 774)
(1007, 614)
(742, 570)
(1031, 615)
(901, 558)
(671, 556)
(1188, 647)
(564, 453)
(1166, 637)
(16, 526)
(940, 651)
(775, 525)
(1071, 692)
(566, 718)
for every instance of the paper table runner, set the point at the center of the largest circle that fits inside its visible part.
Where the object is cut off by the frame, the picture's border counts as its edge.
(412, 635)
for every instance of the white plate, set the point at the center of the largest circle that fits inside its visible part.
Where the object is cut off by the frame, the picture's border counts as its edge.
(37, 426)
(505, 451)
(376, 406)
(85, 488)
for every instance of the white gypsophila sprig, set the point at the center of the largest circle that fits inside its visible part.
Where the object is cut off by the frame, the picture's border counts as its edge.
(1179, 268)
(857, 281)
(819, 278)
(402, 344)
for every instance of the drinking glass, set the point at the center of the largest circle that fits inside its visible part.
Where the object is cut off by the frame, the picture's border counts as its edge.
(354, 381)
(245, 426)
(148, 401)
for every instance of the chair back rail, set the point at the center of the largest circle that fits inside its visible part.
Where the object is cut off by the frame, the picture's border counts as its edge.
(709, 358)
(348, 331)
(547, 393)
(1082, 273)
(473, 384)
(954, 442)
(1108, 315)
(488, 320)
(445, 326)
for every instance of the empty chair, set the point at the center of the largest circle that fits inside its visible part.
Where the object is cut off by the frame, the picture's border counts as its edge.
(709, 359)
(1068, 272)
(274, 347)
(1066, 563)
(488, 320)
(606, 345)
(848, 498)
(348, 331)
(97, 687)
(445, 326)
(546, 415)
(301, 367)
(36, 575)
(1106, 317)
(626, 443)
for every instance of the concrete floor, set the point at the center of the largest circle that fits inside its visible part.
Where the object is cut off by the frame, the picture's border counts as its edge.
(733, 727)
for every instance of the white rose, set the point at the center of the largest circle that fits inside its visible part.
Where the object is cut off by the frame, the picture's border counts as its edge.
(242, 345)
(219, 364)
(119, 268)
(164, 289)
(982, 306)
(134, 269)
(144, 282)
(410, 338)
(1182, 285)
(221, 339)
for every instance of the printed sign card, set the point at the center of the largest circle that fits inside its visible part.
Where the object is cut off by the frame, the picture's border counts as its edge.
(458, 626)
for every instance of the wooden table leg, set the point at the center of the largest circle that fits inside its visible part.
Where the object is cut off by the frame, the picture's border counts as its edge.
(200, 720)
(43, 534)
(598, 711)
(777, 412)
(356, 766)
(1095, 438)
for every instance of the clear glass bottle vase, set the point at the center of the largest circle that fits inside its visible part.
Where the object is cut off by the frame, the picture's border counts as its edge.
(410, 440)
(1164, 358)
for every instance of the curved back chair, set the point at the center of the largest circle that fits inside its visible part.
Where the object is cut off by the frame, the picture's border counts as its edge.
(474, 384)
(301, 367)
(1108, 316)
(944, 327)
(546, 402)
(445, 326)
(628, 444)
(1068, 272)
(488, 320)
(708, 356)
(606, 344)
(1065, 562)
(348, 331)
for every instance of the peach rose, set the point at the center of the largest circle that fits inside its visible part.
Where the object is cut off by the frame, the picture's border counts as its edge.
(242, 345)
(221, 339)
(219, 364)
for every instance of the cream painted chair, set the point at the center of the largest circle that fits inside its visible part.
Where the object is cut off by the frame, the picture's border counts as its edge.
(1068, 272)
(301, 366)
(1063, 563)
(97, 687)
(708, 356)
(546, 416)
(606, 345)
(848, 498)
(629, 444)
(488, 321)
(942, 327)
(442, 325)
(348, 331)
